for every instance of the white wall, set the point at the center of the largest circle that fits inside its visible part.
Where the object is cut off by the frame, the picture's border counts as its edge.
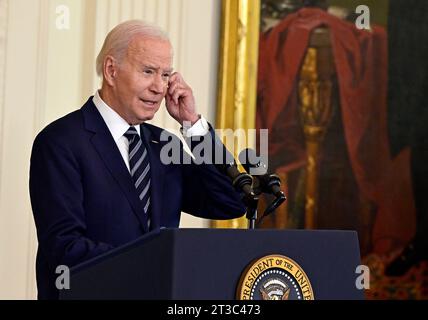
(46, 72)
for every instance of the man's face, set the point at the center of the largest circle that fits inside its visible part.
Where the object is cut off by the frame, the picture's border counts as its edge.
(141, 81)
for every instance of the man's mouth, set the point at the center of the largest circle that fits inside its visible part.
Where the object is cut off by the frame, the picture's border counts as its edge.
(150, 102)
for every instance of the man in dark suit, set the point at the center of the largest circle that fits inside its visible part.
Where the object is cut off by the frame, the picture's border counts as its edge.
(98, 179)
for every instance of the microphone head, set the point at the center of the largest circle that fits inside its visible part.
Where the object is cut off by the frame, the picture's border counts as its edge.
(252, 163)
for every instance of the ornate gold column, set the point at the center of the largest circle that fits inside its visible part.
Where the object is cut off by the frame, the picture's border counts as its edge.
(315, 108)
(236, 106)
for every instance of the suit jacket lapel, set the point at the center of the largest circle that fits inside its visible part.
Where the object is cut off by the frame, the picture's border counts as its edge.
(107, 149)
(157, 172)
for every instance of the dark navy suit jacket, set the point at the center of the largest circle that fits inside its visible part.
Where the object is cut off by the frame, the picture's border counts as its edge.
(84, 201)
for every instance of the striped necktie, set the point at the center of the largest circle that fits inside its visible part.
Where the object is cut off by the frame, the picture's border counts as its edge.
(139, 167)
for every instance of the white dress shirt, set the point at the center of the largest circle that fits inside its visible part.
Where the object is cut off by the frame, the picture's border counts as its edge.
(118, 127)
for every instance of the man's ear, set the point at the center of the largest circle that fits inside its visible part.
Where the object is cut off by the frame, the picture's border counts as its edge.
(110, 70)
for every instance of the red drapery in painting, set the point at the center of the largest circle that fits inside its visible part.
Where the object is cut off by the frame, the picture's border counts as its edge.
(361, 65)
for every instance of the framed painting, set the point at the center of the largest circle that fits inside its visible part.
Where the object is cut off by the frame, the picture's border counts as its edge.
(347, 161)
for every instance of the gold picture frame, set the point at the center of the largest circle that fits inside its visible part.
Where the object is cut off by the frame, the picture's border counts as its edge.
(237, 79)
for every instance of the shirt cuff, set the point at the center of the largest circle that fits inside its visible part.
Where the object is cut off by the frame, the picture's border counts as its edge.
(199, 128)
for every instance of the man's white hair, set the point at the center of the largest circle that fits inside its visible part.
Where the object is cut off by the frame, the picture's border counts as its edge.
(118, 39)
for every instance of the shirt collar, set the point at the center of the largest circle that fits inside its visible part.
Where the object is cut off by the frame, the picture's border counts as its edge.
(115, 123)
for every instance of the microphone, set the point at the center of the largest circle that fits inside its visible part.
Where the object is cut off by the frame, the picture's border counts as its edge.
(263, 182)
(242, 181)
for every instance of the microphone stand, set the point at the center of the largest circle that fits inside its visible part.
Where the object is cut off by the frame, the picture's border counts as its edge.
(270, 186)
(251, 200)
(262, 183)
(243, 182)
(252, 211)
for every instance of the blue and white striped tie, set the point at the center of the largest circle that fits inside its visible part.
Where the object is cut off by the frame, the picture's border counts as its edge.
(139, 166)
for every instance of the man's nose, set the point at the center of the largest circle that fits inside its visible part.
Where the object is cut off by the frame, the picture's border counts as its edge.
(158, 85)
